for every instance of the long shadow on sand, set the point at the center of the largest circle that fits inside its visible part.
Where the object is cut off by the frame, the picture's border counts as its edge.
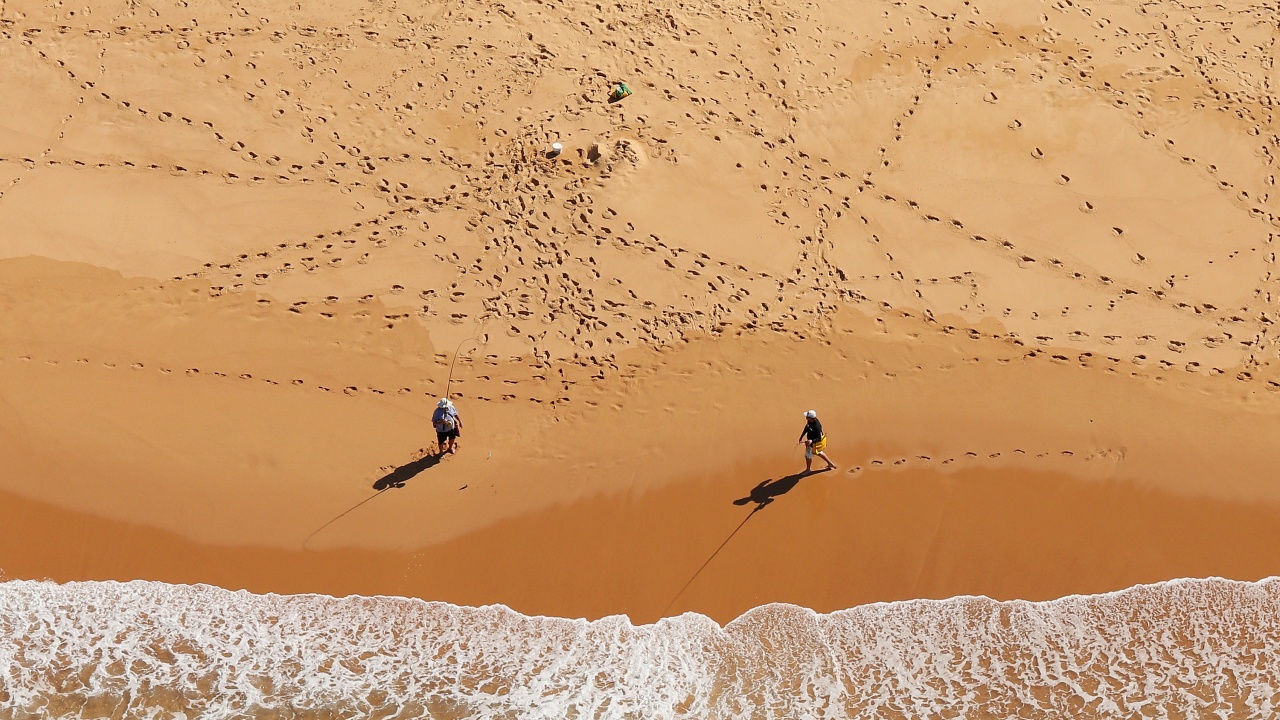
(403, 474)
(394, 479)
(763, 494)
(770, 490)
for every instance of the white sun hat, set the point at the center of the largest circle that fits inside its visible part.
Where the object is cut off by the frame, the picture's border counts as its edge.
(811, 413)
(444, 402)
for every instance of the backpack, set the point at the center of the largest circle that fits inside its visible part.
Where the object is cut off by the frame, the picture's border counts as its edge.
(446, 423)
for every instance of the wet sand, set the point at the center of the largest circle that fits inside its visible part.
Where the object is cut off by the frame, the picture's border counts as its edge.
(1021, 263)
(982, 494)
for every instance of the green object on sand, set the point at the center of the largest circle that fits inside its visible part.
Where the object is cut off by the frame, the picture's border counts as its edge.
(620, 91)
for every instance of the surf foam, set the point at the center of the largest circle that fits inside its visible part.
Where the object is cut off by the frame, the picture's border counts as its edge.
(1189, 648)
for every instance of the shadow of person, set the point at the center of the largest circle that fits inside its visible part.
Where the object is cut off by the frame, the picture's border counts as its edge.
(763, 494)
(403, 474)
(768, 490)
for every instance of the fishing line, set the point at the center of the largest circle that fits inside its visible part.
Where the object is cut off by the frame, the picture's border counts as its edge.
(713, 557)
(448, 386)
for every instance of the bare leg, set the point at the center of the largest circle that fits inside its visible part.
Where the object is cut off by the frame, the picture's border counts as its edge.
(830, 465)
(808, 460)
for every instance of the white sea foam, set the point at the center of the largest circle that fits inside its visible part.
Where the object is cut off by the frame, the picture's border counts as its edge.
(1190, 648)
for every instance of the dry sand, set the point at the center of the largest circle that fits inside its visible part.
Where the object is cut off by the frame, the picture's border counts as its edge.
(1019, 257)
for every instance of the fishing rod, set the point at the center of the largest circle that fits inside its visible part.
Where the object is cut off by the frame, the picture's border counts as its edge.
(448, 386)
(474, 337)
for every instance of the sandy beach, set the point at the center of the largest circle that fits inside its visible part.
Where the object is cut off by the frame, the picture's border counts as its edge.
(1020, 260)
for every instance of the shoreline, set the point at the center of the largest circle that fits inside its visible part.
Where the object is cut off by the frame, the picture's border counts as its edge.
(205, 651)
(551, 536)
(1101, 597)
(1022, 264)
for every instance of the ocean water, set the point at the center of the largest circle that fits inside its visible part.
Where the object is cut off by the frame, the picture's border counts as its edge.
(1180, 649)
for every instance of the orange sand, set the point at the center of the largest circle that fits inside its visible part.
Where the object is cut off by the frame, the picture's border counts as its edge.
(1020, 263)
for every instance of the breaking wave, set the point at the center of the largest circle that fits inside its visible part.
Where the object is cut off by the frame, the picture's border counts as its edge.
(1187, 648)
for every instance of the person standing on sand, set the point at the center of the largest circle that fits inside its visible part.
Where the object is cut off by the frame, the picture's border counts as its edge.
(448, 426)
(815, 441)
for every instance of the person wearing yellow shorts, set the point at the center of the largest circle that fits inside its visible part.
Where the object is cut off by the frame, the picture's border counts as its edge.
(815, 441)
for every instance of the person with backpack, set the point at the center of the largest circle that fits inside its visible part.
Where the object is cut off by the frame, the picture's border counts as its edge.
(815, 441)
(448, 426)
